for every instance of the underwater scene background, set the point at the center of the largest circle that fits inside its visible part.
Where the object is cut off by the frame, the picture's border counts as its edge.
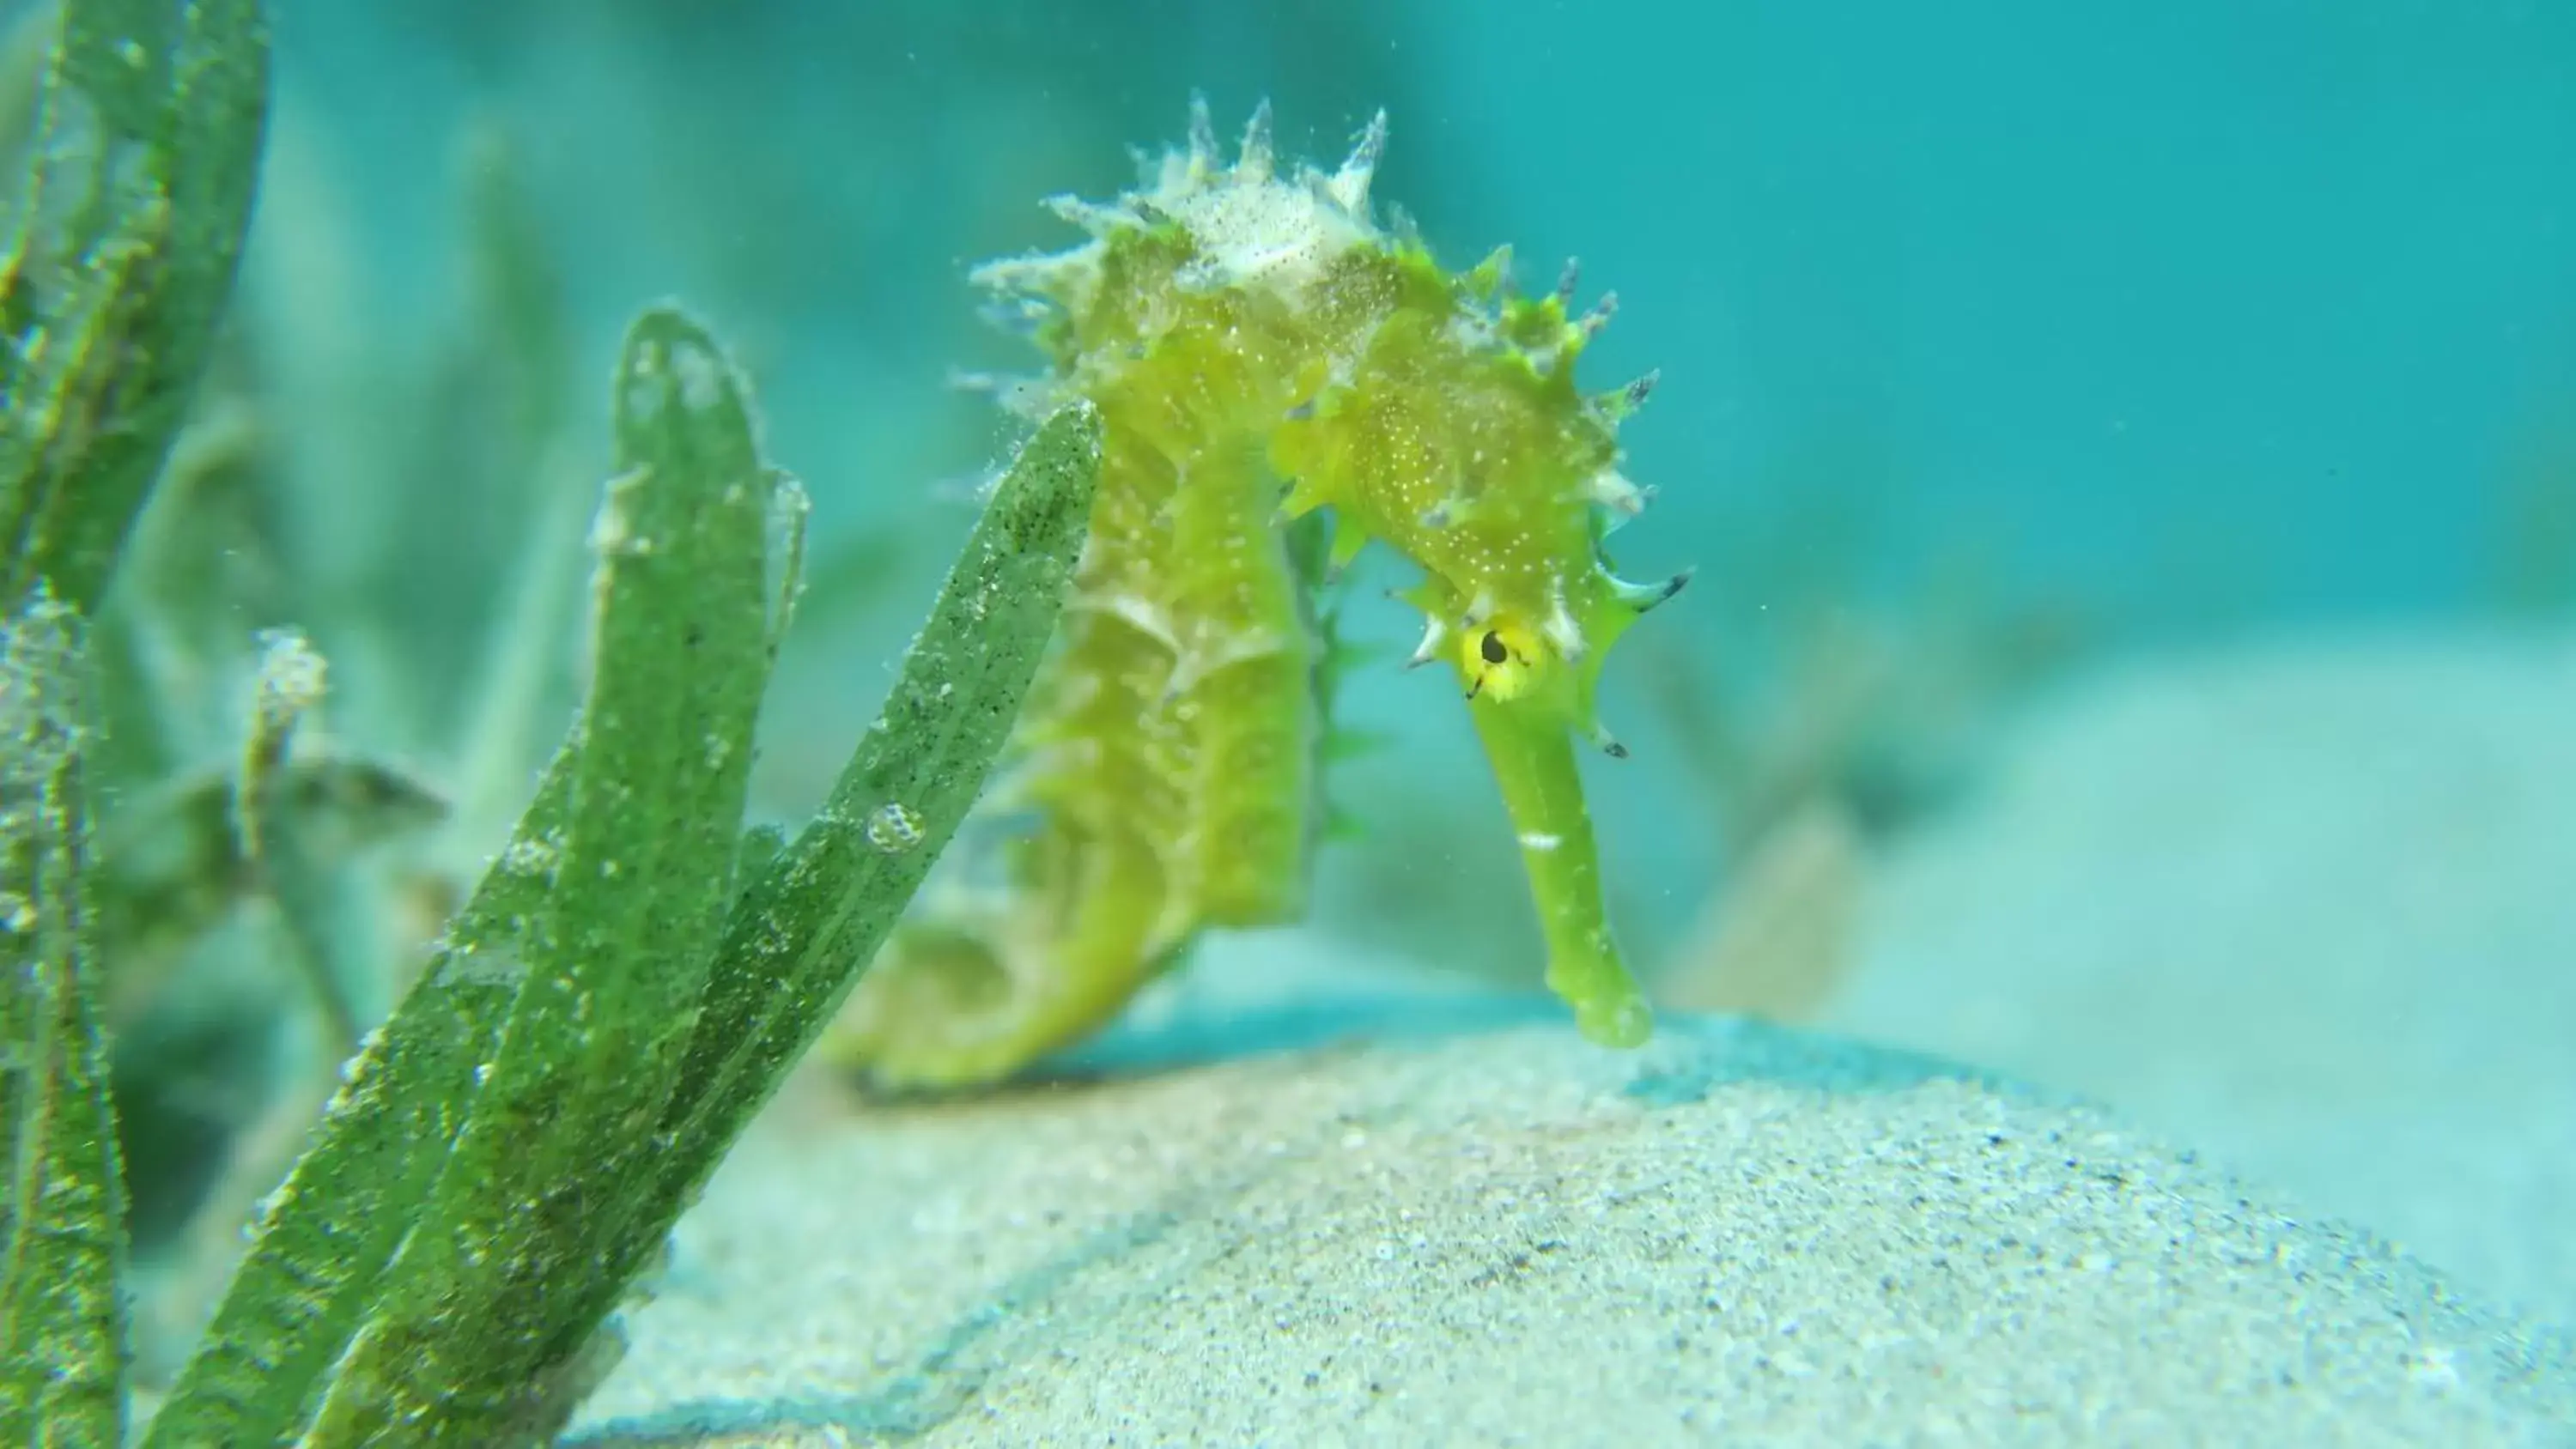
(2118, 329)
(2127, 459)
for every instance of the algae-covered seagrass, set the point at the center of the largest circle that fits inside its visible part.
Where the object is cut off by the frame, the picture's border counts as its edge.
(627, 984)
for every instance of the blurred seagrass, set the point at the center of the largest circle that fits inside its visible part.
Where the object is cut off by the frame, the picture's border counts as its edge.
(173, 862)
(121, 256)
(62, 1329)
(216, 1086)
(121, 250)
(289, 686)
(26, 38)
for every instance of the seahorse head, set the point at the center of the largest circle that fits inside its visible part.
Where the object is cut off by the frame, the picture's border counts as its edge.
(1542, 659)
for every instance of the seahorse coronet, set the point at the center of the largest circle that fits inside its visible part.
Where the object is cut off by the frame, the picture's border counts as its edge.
(1264, 351)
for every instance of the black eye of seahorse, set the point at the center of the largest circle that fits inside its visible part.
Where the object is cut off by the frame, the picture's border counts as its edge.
(1492, 648)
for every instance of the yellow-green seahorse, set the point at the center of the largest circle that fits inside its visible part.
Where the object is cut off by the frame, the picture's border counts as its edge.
(1281, 380)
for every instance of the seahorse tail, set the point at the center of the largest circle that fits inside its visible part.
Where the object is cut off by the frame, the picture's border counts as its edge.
(970, 997)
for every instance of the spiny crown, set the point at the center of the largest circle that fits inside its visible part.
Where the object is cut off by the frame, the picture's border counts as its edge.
(1436, 411)
(1244, 225)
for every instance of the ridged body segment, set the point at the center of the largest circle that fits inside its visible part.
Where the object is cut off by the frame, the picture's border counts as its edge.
(1165, 760)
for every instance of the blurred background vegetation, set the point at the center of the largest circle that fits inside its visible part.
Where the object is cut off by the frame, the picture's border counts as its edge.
(1996, 338)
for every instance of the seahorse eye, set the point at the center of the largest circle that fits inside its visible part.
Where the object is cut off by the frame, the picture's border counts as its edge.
(1503, 662)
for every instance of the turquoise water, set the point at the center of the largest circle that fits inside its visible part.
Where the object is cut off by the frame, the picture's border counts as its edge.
(2196, 308)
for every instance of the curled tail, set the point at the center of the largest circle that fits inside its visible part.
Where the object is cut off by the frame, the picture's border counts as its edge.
(1165, 763)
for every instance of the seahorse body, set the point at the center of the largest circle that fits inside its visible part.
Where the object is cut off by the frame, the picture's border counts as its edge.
(1260, 349)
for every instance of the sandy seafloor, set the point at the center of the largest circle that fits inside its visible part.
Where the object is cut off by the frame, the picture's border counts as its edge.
(2310, 908)
(2285, 938)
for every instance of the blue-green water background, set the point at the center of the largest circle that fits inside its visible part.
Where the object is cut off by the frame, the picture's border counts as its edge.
(2183, 319)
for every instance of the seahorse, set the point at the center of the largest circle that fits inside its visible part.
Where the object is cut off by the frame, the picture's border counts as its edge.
(1282, 380)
